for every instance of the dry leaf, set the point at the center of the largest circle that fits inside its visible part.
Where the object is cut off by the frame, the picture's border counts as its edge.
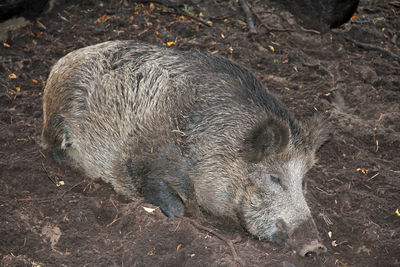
(363, 170)
(170, 43)
(271, 48)
(102, 18)
(149, 210)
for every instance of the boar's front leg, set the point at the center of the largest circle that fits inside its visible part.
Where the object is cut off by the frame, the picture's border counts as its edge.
(159, 193)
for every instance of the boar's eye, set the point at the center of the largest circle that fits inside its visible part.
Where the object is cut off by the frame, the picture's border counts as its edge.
(304, 183)
(276, 180)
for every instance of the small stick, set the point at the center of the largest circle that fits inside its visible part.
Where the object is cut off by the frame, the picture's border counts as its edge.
(309, 30)
(176, 9)
(227, 241)
(180, 13)
(373, 47)
(373, 176)
(48, 175)
(249, 16)
(113, 221)
(323, 191)
(72, 187)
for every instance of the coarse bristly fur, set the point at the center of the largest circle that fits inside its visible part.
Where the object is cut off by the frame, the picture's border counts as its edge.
(183, 129)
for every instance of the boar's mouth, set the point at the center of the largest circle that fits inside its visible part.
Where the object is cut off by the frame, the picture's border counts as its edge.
(306, 241)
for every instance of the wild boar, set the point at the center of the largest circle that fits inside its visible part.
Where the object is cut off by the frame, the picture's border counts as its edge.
(185, 129)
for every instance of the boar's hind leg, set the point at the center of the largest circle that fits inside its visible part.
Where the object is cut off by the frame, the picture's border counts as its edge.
(159, 193)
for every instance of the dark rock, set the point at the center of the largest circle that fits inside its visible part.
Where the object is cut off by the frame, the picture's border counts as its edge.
(320, 15)
(22, 8)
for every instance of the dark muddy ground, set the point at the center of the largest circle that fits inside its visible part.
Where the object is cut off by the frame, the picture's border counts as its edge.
(53, 216)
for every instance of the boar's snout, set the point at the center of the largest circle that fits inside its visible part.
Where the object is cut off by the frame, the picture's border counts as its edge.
(305, 239)
(312, 249)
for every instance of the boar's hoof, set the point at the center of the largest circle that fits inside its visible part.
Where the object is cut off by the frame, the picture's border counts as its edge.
(161, 194)
(173, 209)
(312, 249)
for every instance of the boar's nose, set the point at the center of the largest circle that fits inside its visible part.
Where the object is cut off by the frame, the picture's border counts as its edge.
(312, 249)
(305, 239)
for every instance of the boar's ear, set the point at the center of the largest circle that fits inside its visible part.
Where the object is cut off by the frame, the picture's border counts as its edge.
(318, 131)
(268, 137)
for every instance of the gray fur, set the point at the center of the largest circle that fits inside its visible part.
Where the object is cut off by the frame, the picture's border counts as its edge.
(183, 129)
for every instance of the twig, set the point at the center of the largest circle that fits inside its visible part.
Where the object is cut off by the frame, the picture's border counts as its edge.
(309, 30)
(249, 16)
(373, 47)
(176, 8)
(48, 175)
(227, 241)
(395, 3)
(176, 228)
(139, 201)
(373, 176)
(181, 13)
(114, 220)
(323, 191)
(72, 187)
(326, 219)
